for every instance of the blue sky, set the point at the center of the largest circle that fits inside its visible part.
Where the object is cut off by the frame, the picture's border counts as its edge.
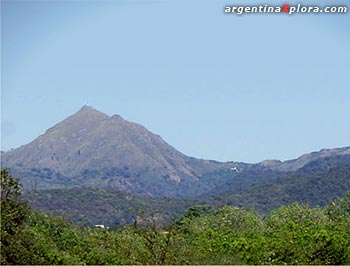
(214, 86)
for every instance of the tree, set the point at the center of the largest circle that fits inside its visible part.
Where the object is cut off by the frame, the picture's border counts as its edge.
(13, 210)
(10, 187)
(13, 215)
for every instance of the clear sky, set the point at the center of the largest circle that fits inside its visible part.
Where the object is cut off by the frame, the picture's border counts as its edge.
(214, 86)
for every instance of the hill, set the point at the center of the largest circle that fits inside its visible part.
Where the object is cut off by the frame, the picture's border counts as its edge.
(315, 189)
(312, 164)
(100, 206)
(316, 161)
(87, 206)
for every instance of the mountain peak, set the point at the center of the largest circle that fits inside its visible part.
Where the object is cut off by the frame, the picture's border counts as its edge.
(88, 112)
(95, 149)
(88, 108)
(87, 118)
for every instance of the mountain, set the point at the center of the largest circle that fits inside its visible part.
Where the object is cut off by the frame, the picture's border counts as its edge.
(92, 149)
(315, 161)
(96, 168)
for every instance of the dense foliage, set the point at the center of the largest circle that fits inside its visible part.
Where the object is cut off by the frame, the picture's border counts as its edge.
(293, 234)
(86, 206)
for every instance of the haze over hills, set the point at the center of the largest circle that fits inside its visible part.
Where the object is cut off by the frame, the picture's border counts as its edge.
(91, 149)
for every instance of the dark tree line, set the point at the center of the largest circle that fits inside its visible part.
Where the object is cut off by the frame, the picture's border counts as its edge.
(292, 234)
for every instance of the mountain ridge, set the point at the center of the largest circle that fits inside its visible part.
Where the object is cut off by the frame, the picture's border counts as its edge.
(92, 149)
(301, 161)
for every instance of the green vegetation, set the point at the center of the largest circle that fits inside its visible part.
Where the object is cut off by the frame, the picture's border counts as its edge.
(88, 206)
(292, 234)
(315, 189)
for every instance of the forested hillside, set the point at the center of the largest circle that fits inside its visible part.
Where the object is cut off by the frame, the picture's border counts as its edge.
(87, 206)
(293, 234)
(306, 188)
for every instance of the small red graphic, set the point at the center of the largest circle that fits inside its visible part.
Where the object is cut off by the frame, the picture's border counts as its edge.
(285, 8)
